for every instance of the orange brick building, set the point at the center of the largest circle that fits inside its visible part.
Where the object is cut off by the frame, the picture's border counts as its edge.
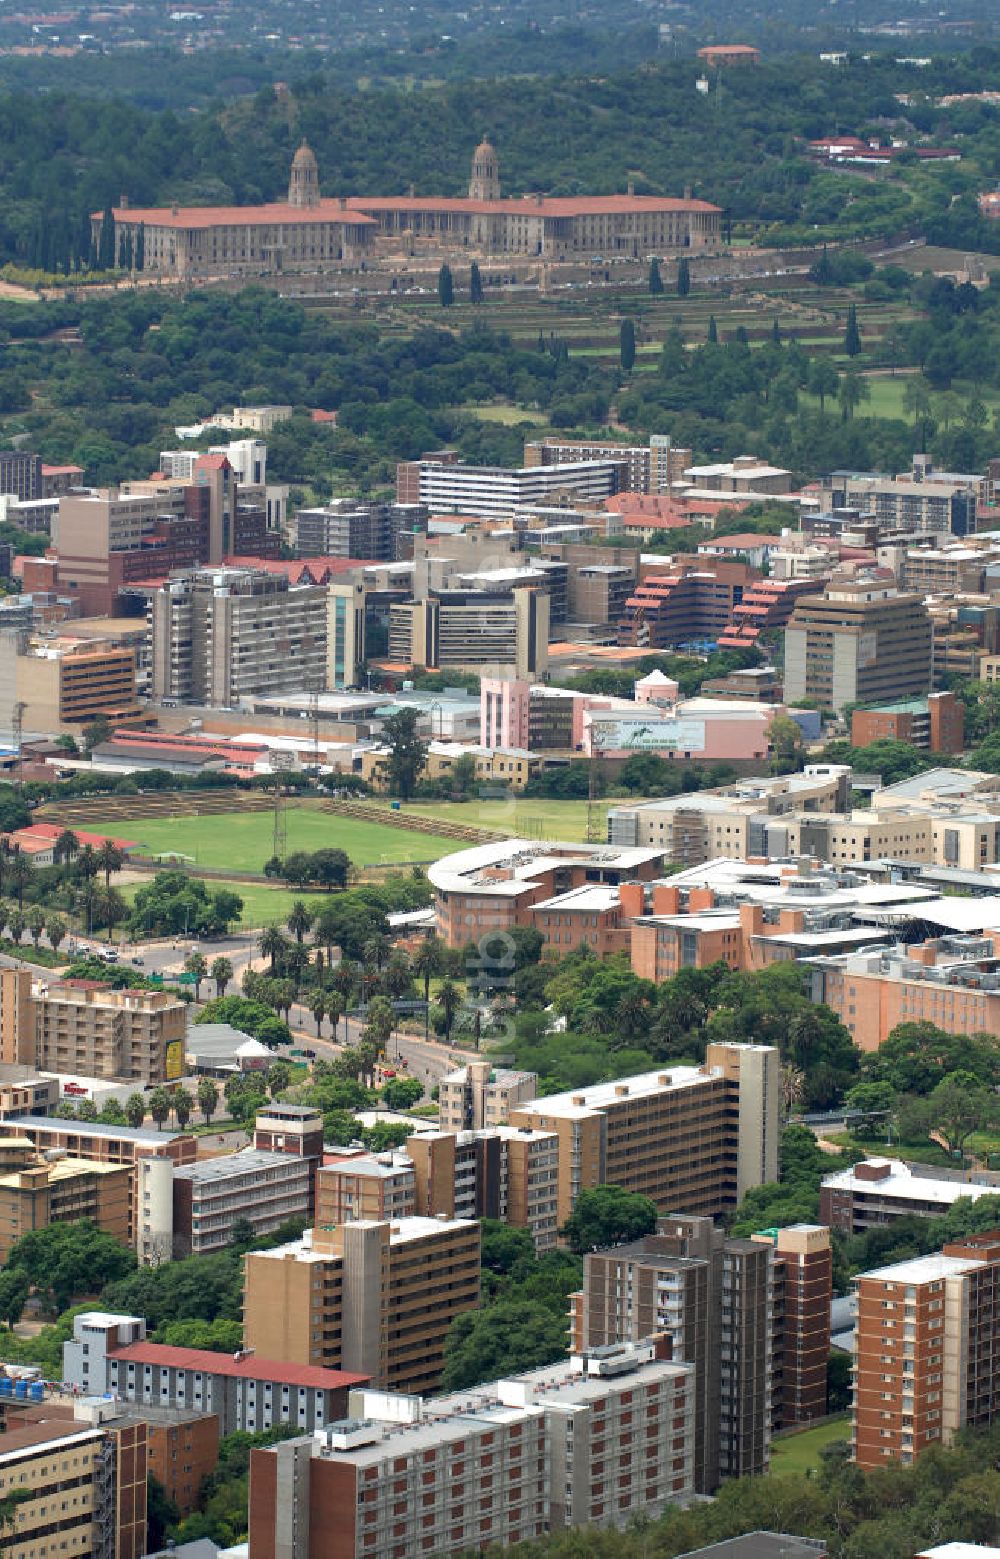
(935, 723)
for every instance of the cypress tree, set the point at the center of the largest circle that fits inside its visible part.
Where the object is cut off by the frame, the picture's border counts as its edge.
(446, 287)
(140, 247)
(106, 243)
(713, 329)
(683, 277)
(655, 279)
(776, 331)
(852, 335)
(475, 284)
(626, 345)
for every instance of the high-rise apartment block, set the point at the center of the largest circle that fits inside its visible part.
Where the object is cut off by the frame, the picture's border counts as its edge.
(192, 1209)
(494, 492)
(859, 641)
(79, 1485)
(696, 1137)
(221, 635)
(20, 474)
(651, 468)
(373, 1297)
(91, 1032)
(926, 1363)
(594, 1441)
(751, 1317)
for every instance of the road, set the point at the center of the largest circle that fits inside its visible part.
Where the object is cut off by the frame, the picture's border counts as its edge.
(427, 1060)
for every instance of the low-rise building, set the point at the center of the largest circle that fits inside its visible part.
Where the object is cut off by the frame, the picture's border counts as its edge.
(594, 1441)
(953, 982)
(36, 1191)
(877, 1191)
(110, 1353)
(935, 723)
(192, 1209)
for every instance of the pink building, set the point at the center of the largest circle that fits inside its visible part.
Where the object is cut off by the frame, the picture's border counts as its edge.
(504, 704)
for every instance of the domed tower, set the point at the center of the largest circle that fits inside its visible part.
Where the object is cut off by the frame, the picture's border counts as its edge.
(303, 186)
(485, 181)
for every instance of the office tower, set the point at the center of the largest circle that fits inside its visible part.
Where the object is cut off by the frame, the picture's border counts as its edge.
(859, 641)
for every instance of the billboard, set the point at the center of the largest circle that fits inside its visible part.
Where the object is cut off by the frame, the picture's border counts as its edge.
(175, 1060)
(632, 733)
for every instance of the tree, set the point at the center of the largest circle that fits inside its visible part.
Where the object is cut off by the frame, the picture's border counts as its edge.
(851, 391)
(14, 1290)
(36, 922)
(208, 1097)
(96, 732)
(55, 930)
(959, 1106)
(683, 277)
(822, 381)
(475, 284)
(65, 847)
(158, 1105)
(135, 1110)
(183, 1105)
(110, 908)
(196, 964)
(317, 1006)
(501, 1339)
(655, 279)
(140, 247)
(70, 1260)
(873, 1104)
(16, 923)
(449, 1000)
(402, 1093)
(273, 944)
(335, 1009)
(299, 920)
(626, 345)
(713, 331)
(917, 401)
(279, 1077)
(852, 334)
(221, 972)
(110, 859)
(446, 287)
(608, 1215)
(407, 752)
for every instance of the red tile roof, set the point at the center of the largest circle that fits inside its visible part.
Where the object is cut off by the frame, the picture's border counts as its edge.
(247, 1368)
(531, 205)
(235, 216)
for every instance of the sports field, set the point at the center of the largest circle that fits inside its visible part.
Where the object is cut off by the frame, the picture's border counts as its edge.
(244, 841)
(532, 819)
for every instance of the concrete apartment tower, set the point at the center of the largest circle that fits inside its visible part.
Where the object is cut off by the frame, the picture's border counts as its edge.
(303, 184)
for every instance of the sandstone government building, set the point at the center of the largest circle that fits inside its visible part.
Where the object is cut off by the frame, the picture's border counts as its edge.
(309, 233)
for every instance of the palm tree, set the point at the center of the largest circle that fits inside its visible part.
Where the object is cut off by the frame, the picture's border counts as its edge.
(55, 930)
(20, 871)
(208, 1097)
(428, 961)
(376, 950)
(449, 1000)
(183, 1105)
(135, 1110)
(917, 401)
(221, 972)
(272, 945)
(793, 1088)
(109, 859)
(85, 864)
(317, 1006)
(65, 847)
(15, 925)
(159, 1105)
(35, 919)
(283, 996)
(397, 976)
(299, 920)
(335, 1009)
(851, 391)
(195, 964)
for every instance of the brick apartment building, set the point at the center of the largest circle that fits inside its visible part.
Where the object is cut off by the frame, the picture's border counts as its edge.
(694, 599)
(696, 1137)
(926, 1363)
(593, 1441)
(752, 1318)
(370, 1297)
(877, 1191)
(935, 723)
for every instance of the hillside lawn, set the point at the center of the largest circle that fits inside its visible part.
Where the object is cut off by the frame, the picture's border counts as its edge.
(799, 1453)
(243, 842)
